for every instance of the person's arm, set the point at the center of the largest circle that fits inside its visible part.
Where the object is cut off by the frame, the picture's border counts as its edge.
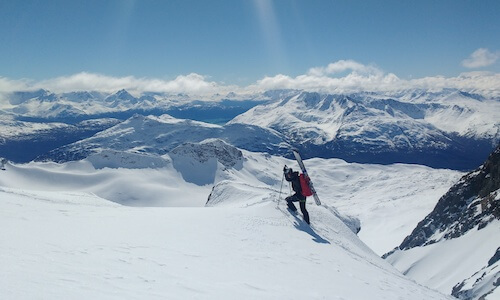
(296, 182)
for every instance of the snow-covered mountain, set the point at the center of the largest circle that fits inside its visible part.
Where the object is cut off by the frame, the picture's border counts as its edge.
(23, 141)
(57, 226)
(160, 135)
(462, 231)
(75, 110)
(448, 129)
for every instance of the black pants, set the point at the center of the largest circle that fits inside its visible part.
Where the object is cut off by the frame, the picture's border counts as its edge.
(302, 202)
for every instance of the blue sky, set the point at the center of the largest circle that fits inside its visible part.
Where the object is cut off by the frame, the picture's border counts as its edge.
(239, 42)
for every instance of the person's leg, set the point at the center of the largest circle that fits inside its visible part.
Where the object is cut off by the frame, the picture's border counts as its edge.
(304, 211)
(289, 203)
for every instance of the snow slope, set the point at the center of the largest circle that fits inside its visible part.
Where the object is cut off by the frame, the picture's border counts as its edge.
(388, 200)
(456, 248)
(77, 245)
(139, 184)
(64, 240)
(444, 265)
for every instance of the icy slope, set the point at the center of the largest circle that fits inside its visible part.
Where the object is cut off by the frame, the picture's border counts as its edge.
(78, 246)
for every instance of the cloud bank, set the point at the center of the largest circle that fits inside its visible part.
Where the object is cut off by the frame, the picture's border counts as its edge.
(361, 77)
(337, 77)
(191, 83)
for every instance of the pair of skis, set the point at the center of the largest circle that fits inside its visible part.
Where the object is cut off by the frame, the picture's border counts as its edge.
(304, 171)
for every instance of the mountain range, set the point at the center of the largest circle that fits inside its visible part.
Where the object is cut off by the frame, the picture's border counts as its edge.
(450, 129)
(159, 135)
(445, 129)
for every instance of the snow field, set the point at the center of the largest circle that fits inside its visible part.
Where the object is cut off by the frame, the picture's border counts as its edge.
(388, 200)
(64, 238)
(80, 246)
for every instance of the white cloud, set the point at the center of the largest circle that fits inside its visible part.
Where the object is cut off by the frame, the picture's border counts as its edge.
(192, 84)
(323, 79)
(342, 66)
(8, 85)
(338, 77)
(370, 78)
(482, 57)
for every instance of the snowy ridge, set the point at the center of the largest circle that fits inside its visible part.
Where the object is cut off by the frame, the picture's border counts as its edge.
(237, 194)
(43, 103)
(121, 159)
(327, 222)
(98, 251)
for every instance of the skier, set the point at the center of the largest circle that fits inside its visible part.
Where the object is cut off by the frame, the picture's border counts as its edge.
(293, 177)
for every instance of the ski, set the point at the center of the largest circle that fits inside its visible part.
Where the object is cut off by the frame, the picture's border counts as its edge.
(304, 171)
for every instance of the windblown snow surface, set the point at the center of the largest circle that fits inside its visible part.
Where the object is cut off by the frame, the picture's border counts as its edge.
(113, 227)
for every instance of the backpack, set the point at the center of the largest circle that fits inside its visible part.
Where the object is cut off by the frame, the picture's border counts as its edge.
(304, 184)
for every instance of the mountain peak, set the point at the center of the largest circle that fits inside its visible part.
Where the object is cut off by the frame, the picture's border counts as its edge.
(20, 97)
(121, 95)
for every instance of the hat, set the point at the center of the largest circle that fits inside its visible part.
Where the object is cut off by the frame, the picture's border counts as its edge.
(287, 170)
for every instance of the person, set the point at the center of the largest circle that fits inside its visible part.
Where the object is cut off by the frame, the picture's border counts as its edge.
(293, 177)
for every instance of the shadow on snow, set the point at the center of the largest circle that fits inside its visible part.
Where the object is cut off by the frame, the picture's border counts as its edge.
(302, 226)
